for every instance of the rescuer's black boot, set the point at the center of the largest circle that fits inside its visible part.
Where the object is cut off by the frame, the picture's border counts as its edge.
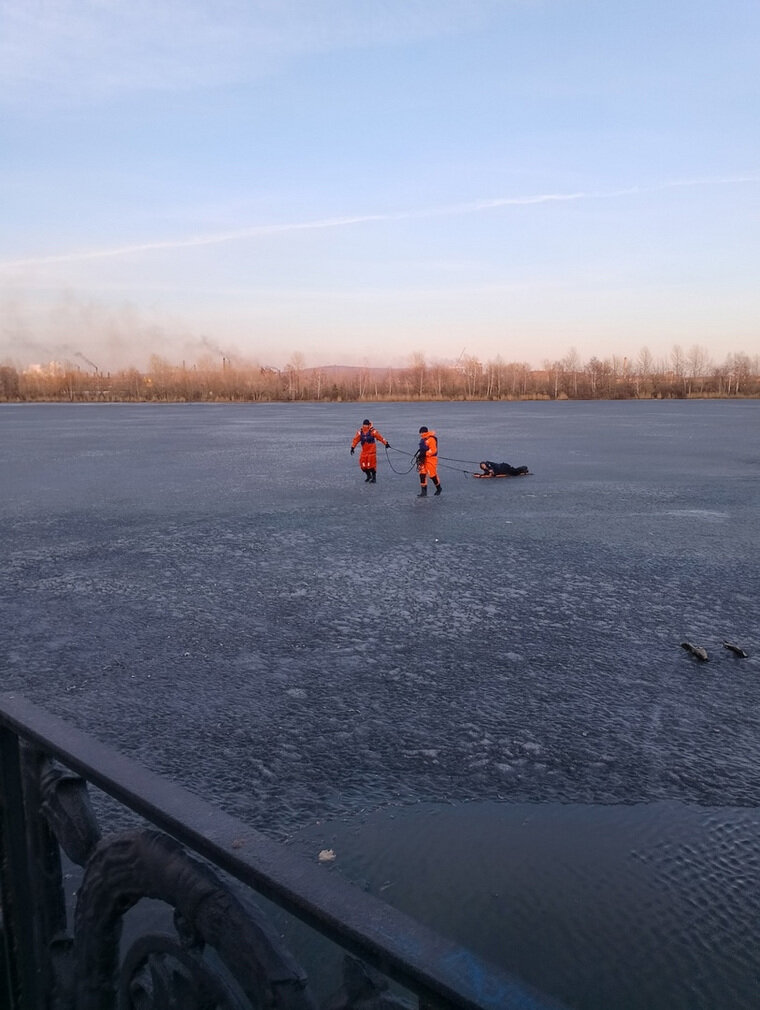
(367, 476)
(423, 491)
(438, 487)
(373, 476)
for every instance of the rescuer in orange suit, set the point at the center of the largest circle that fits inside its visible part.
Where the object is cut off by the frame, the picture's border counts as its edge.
(427, 461)
(369, 437)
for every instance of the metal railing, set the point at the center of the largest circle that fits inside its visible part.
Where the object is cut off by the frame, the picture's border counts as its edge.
(223, 953)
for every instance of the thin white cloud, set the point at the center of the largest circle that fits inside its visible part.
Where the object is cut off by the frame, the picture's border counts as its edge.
(220, 238)
(88, 50)
(451, 210)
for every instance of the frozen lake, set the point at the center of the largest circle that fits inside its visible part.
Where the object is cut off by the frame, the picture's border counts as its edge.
(215, 591)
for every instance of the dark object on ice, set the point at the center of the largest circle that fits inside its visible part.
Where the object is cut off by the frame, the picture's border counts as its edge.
(501, 470)
(695, 650)
(735, 649)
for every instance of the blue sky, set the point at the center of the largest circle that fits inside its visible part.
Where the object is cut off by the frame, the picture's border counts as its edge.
(356, 182)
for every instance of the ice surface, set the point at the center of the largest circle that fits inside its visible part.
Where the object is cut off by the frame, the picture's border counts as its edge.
(215, 590)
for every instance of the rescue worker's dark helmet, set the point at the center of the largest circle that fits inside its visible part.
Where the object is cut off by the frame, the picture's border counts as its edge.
(365, 421)
(423, 428)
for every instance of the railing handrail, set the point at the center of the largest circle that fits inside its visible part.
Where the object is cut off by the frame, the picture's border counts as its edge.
(400, 947)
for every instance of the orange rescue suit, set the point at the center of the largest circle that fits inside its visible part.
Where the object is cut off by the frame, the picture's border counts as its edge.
(369, 436)
(427, 455)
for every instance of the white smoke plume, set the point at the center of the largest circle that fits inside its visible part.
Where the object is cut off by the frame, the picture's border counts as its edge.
(93, 336)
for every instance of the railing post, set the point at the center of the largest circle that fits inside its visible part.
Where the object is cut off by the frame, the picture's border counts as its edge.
(24, 975)
(46, 880)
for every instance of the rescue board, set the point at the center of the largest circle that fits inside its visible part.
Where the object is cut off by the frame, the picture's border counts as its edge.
(495, 476)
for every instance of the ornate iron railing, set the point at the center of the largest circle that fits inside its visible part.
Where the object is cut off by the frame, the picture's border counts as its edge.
(222, 953)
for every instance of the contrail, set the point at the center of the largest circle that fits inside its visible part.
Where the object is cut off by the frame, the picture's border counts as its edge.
(218, 238)
(450, 210)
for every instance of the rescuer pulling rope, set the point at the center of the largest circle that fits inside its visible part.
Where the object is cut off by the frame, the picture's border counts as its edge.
(427, 461)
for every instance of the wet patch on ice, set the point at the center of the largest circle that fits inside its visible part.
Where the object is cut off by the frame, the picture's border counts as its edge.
(707, 515)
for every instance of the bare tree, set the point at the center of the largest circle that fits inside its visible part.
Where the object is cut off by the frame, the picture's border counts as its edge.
(472, 372)
(160, 375)
(643, 372)
(571, 363)
(554, 370)
(698, 365)
(293, 370)
(439, 373)
(678, 364)
(499, 370)
(741, 371)
(9, 384)
(418, 370)
(594, 371)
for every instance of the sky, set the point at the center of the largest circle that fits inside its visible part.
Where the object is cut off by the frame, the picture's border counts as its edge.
(360, 181)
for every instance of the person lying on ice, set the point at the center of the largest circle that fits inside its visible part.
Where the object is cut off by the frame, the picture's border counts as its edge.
(368, 436)
(501, 469)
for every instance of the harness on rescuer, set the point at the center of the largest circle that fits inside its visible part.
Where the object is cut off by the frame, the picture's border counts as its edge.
(427, 461)
(368, 436)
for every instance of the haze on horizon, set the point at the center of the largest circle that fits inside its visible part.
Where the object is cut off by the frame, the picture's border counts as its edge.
(354, 184)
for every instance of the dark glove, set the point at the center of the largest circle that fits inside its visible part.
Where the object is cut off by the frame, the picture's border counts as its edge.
(387, 445)
(352, 450)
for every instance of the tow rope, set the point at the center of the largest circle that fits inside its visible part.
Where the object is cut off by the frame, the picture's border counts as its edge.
(390, 461)
(413, 462)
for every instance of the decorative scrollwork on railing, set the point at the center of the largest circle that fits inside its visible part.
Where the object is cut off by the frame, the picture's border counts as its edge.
(159, 974)
(149, 864)
(61, 925)
(224, 954)
(65, 803)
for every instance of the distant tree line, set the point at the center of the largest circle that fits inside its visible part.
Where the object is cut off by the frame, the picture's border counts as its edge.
(682, 374)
